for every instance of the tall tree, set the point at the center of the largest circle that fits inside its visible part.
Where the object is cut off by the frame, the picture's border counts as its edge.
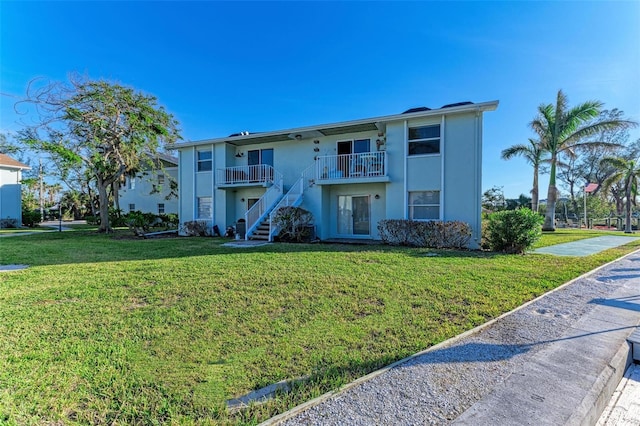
(626, 172)
(103, 127)
(534, 153)
(563, 130)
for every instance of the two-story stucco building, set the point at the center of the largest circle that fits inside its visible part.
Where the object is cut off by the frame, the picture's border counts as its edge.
(11, 191)
(423, 164)
(150, 189)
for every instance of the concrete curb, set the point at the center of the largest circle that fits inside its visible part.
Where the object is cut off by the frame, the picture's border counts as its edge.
(597, 398)
(609, 384)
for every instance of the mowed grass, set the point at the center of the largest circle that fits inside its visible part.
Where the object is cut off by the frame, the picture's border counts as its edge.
(113, 331)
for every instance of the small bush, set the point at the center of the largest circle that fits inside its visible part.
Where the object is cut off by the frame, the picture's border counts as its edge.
(195, 228)
(169, 221)
(30, 218)
(433, 234)
(513, 231)
(8, 223)
(294, 223)
(92, 220)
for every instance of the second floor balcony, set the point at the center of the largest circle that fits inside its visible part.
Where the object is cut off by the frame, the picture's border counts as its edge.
(352, 168)
(256, 175)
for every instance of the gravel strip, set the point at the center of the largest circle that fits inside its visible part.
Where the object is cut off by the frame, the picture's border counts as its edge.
(438, 386)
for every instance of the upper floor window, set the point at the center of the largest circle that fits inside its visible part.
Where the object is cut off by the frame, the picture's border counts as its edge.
(424, 205)
(160, 179)
(204, 161)
(131, 182)
(424, 140)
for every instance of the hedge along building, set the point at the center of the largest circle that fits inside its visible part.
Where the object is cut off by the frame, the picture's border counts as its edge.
(423, 164)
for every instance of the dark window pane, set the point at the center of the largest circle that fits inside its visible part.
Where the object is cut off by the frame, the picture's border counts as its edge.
(361, 145)
(424, 147)
(267, 157)
(424, 197)
(424, 212)
(253, 157)
(425, 132)
(204, 155)
(204, 166)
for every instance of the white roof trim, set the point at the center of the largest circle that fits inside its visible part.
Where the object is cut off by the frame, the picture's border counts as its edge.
(483, 106)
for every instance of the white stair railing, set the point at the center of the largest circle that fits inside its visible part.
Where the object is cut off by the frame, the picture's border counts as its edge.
(293, 197)
(263, 206)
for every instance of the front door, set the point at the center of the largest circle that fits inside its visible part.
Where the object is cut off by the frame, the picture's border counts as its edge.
(354, 215)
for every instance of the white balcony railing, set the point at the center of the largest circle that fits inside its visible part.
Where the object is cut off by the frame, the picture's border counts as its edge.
(350, 166)
(260, 173)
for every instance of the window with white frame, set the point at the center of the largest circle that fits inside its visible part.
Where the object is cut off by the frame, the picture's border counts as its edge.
(205, 207)
(160, 208)
(424, 205)
(132, 207)
(424, 140)
(204, 161)
(160, 179)
(131, 182)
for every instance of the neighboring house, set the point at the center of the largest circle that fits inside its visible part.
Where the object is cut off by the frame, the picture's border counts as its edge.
(149, 190)
(422, 164)
(10, 191)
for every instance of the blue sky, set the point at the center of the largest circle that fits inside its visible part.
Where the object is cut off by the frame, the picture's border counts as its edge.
(226, 67)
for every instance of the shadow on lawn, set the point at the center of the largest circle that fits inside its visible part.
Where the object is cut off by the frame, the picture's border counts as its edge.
(90, 247)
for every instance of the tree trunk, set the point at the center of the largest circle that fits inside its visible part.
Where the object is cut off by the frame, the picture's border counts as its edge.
(104, 207)
(534, 191)
(627, 226)
(550, 217)
(115, 188)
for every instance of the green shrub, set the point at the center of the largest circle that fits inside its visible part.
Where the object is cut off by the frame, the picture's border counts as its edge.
(116, 218)
(195, 228)
(30, 218)
(294, 224)
(92, 220)
(513, 231)
(169, 221)
(433, 234)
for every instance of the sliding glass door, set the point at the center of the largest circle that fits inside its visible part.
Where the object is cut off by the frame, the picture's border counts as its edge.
(354, 215)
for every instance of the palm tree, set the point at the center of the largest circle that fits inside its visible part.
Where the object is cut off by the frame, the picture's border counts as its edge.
(534, 154)
(562, 130)
(627, 172)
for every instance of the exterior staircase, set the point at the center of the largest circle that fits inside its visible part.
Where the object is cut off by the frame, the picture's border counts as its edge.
(261, 233)
(264, 230)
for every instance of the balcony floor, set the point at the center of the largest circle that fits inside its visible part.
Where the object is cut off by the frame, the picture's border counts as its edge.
(350, 180)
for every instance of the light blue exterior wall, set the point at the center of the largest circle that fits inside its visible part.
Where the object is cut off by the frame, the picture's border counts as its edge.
(143, 198)
(455, 172)
(11, 195)
(463, 175)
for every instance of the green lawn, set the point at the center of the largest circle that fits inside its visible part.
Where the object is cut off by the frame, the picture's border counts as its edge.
(103, 330)
(22, 230)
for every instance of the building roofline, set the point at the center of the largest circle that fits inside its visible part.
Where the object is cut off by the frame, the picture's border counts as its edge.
(9, 163)
(483, 106)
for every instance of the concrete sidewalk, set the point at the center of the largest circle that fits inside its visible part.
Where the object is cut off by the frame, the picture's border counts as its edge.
(571, 381)
(587, 246)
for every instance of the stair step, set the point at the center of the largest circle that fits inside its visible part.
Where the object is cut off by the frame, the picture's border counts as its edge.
(259, 237)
